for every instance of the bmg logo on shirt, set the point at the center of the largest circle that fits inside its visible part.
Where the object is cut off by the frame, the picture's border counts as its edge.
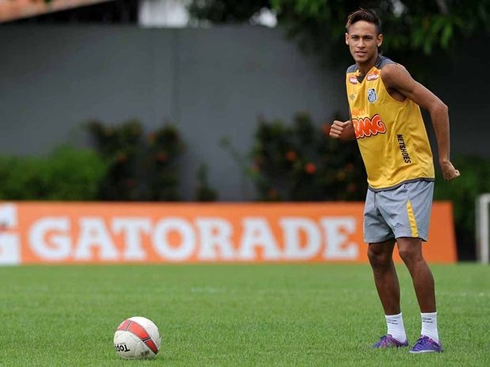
(366, 127)
(9, 238)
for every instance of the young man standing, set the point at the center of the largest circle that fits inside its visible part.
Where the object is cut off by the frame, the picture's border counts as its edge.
(384, 102)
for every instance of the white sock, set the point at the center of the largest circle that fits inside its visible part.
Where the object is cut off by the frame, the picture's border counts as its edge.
(395, 327)
(429, 325)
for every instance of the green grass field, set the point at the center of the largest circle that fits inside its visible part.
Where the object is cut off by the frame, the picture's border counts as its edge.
(233, 315)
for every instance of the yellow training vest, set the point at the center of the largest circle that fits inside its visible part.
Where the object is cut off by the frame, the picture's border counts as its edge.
(391, 134)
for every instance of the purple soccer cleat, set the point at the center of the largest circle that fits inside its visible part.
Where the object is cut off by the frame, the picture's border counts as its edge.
(426, 345)
(387, 341)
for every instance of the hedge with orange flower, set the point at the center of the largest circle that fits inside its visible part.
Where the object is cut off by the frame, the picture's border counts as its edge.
(143, 166)
(300, 162)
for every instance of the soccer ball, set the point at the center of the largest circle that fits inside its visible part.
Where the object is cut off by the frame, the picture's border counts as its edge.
(137, 338)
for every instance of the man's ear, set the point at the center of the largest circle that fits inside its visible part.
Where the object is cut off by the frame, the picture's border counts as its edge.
(347, 38)
(380, 39)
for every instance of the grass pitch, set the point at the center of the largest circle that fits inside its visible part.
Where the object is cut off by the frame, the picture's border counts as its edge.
(234, 315)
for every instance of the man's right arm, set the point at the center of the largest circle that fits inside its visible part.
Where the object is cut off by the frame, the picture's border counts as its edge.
(342, 130)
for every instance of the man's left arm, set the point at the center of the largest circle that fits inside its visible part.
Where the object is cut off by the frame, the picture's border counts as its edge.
(396, 77)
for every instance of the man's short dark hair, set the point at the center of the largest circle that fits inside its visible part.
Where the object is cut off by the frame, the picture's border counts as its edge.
(366, 15)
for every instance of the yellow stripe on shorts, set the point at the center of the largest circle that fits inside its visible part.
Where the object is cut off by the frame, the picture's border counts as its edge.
(411, 220)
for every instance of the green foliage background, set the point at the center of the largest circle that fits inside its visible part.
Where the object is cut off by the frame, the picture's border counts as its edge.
(463, 193)
(415, 31)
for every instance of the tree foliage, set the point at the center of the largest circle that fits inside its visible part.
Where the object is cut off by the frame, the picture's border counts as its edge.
(413, 29)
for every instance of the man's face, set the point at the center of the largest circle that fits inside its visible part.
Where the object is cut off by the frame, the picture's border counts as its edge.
(363, 41)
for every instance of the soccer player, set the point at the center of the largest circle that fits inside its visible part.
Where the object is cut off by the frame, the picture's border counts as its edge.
(384, 102)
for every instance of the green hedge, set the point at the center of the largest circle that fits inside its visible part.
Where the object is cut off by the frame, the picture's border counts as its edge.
(125, 164)
(298, 161)
(67, 174)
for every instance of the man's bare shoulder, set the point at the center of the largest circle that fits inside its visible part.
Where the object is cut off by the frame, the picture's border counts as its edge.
(393, 73)
(393, 68)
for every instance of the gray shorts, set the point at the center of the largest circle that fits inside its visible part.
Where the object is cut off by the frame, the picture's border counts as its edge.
(400, 212)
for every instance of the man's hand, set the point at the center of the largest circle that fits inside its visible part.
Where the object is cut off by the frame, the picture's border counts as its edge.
(448, 171)
(342, 130)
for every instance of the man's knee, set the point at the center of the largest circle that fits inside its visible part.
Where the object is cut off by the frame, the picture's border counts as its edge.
(380, 254)
(410, 250)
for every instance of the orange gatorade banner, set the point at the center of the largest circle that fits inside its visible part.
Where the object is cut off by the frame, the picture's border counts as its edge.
(45, 232)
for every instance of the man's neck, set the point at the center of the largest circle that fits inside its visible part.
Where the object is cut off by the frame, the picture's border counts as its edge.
(364, 68)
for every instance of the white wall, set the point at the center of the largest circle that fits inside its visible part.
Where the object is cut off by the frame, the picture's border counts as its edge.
(163, 13)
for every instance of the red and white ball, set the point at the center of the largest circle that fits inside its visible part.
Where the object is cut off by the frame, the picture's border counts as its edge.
(137, 338)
